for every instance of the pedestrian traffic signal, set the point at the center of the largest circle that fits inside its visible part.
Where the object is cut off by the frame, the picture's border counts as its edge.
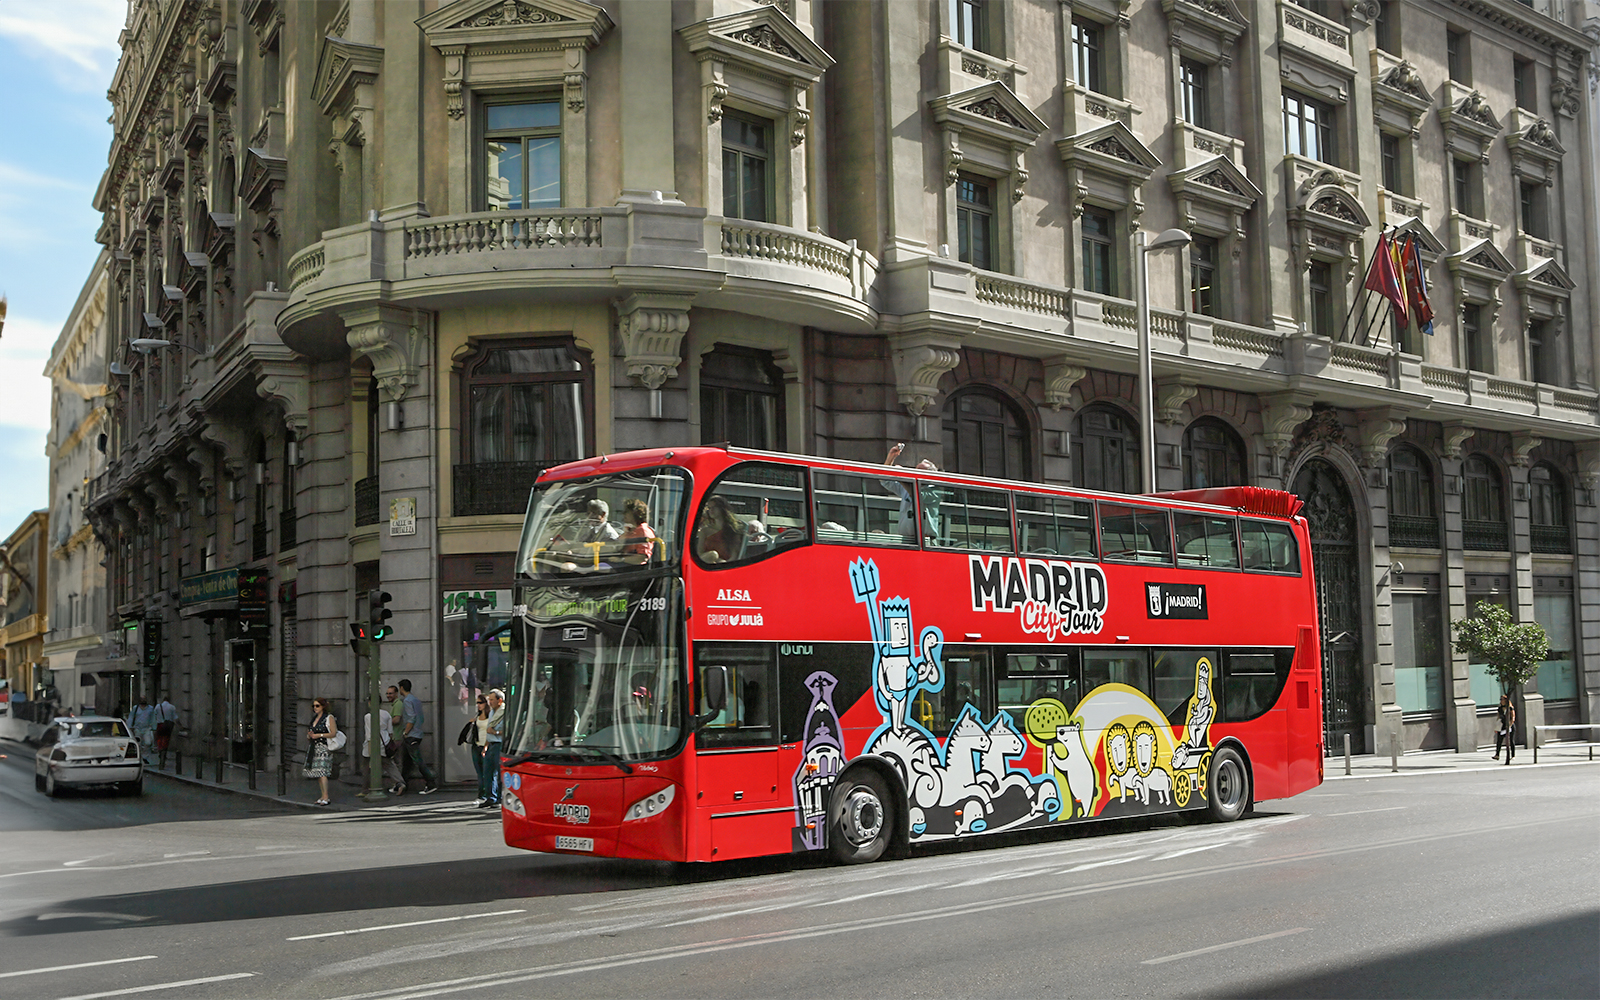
(379, 613)
(474, 629)
(359, 640)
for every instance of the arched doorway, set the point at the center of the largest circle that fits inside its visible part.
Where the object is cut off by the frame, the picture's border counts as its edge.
(1332, 516)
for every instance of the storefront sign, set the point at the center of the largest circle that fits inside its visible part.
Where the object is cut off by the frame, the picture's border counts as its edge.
(209, 588)
(252, 600)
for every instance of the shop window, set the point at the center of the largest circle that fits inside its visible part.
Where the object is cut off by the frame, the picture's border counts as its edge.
(1099, 270)
(1105, 452)
(1308, 128)
(741, 399)
(975, 221)
(1213, 455)
(1418, 653)
(1558, 676)
(1482, 685)
(984, 435)
(522, 155)
(747, 189)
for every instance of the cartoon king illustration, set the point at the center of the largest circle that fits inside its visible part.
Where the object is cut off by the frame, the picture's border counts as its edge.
(901, 667)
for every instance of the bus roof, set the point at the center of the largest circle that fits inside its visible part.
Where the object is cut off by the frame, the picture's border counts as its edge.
(1253, 500)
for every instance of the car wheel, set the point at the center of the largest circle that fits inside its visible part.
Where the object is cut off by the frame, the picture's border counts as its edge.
(38, 782)
(51, 788)
(1230, 786)
(860, 817)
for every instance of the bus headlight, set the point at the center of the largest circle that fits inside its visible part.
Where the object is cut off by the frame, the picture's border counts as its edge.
(651, 805)
(512, 804)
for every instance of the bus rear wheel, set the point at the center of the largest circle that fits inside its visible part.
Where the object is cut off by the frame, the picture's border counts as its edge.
(860, 818)
(1229, 786)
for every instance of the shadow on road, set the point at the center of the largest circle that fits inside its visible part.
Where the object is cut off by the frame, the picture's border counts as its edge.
(1555, 958)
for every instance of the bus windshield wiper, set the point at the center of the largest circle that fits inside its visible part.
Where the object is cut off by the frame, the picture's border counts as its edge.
(605, 755)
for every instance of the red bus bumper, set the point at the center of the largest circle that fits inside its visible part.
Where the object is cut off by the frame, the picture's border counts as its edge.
(594, 810)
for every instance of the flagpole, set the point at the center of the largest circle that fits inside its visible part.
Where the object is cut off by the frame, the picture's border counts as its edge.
(1361, 296)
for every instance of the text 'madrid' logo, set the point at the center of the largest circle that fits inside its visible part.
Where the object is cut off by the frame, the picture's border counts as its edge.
(572, 812)
(1176, 600)
(1052, 597)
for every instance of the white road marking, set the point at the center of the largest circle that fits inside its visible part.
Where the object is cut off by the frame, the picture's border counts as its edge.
(738, 913)
(80, 965)
(82, 861)
(1104, 864)
(1223, 947)
(411, 923)
(1187, 850)
(185, 854)
(79, 915)
(161, 986)
(1363, 812)
(882, 892)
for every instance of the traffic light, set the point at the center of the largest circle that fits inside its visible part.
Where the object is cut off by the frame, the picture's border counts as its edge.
(359, 640)
(379, 613)
(474, 629)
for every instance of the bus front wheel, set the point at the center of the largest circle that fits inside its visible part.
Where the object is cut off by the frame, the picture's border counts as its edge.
(860, 818)
(1229, 785)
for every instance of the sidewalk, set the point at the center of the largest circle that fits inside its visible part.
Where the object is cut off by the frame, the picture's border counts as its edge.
(343, 791)
(1438, 761)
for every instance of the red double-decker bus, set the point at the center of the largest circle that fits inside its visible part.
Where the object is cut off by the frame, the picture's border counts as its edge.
(722, 653)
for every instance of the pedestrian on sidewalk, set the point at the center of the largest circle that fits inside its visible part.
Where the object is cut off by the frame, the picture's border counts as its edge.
(1505, 726)
(395, 749)
(143, 724)
(319, 759)
(387, 765)
(489, 777)
(413, 727)
(472, 737)
(166, 723)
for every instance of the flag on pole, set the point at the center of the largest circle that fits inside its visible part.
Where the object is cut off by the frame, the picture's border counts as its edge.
(1417, 287)
(1381, 277)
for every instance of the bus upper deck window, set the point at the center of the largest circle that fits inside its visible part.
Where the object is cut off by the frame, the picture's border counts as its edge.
(1055, 526)
(752, 511)
(862, 510)
(962, 518)
(1135, 534)
(1204, 540)
(1269, 547)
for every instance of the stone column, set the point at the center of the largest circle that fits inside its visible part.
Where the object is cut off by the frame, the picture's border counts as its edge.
(1463, 710)
(1531, 712)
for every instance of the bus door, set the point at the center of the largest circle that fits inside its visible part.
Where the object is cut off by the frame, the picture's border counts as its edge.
(736, 759)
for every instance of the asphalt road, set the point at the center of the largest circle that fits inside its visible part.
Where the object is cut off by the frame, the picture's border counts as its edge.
(1442, 885)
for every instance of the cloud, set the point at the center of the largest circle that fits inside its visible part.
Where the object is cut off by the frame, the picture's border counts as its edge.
(77, 40)
(24, 350)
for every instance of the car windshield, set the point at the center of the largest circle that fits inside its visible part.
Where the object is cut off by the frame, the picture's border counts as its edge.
(604, 524)
(106, 728)
(600, 670)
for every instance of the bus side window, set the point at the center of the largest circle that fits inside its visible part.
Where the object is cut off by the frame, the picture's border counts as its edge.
(752, 511)
(966, 683)
(1250, 686)
(1270, 547)
(1205, 541)
(967, 518)
(856, 510)
(1031, 677)
(1135, 534)
(1055, 526)
(1176, 676)
(749, 717)
(1116, 666)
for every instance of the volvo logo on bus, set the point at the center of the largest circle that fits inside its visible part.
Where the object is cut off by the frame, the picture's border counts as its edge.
(1052, 597)
(1176, 600)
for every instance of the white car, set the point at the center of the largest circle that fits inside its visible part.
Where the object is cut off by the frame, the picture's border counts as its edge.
(82, 750)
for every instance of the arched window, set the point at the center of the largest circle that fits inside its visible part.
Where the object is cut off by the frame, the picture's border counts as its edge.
(1105, 450)
(1547, 509)
(984, 435)
(1484, 518)
(1213, 455)
(1413, 519)
(741, 399)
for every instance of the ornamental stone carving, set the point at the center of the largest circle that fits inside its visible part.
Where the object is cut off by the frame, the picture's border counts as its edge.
(1281, 415)
(1407, 80)
(1455, 437)
(510, 13)
(991, 109)
(1377, 428)
(763, 37)
(1170, 397)
(395, 342)
(1522, 445)
(919, 363)
(652, 327)
(1060, 376)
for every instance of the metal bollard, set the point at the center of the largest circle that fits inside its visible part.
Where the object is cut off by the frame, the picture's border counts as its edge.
(1347, 754)
(177, 762)
(221, 764)
(1394, 752)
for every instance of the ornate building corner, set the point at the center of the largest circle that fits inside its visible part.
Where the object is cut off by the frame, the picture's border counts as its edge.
(1377, 428)
(920, 361)
(1281, 414)
(395, 341)
(652, 327)
(1522, 445)
(1455, 435)
(1060, 376)
(1171, 395)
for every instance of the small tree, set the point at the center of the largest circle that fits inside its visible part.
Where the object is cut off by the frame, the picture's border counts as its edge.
(1513, 652)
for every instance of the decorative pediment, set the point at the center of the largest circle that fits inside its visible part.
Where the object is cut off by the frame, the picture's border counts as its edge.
(341, 67)
(1113, 149)
(1535, 150)
(991, 110)
(1482, 260)
(1548, 279)
(1208, 27)
(1427, 243)
(1330, 206)
(261, 177)
(762, 39)
(1216, 180)
(513, 25)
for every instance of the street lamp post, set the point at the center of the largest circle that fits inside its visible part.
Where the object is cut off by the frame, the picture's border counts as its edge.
(1168, 240)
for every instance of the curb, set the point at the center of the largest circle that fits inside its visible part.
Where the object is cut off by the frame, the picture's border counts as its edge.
(356, 806)
(1415, 771)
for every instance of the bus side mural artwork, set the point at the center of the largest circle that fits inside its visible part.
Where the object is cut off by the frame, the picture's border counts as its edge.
(1115, 746)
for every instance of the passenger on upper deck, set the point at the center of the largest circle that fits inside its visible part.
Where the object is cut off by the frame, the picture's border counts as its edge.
(639, 540)
(930, 501)
(722, 535)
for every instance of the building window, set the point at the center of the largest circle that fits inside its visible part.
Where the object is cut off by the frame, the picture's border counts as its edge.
(1541, 358)
(1212, 455)
(1105, 451)
(522, 154)
(1387, 26)
(1484, 513)
(1307, 127)
(969, 23)
(975, 220)
(1088, 64)
(1465, 187)
(1472, 332)
(1522, 84)
(1389, 153)
(1547, 510)
(526, 404)
(1534, 220)
(741, 399)
(1413, 520)
(1418, 653)
(1455, 51)
(746, 168)
(1203, 276)
(1099, 274)
(1193, 77)
(1558, 676)
(1320, 279)
(372, 429)
(984, 435)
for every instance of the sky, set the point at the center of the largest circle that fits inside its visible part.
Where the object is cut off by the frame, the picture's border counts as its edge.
(56, 61)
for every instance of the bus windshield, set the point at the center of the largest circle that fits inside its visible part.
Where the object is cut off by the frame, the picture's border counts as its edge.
(604, 524)
(601, 670)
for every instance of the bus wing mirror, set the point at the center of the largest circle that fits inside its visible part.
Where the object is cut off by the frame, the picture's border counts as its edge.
(713, 692)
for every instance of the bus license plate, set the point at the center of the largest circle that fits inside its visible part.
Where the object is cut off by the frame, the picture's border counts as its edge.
(574, 843)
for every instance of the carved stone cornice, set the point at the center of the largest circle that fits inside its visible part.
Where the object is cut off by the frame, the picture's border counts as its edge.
(285, 382)
(652, 326)
(395, 342)
(1281, 414)
(1170, 397)
(1455, 437)
(1377, 427)
(920, 361)
(1061, 375)
(343, 67)
(1522, 445)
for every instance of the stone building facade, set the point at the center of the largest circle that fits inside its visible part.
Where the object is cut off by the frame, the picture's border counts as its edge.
(409, 253)
(24, 584)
